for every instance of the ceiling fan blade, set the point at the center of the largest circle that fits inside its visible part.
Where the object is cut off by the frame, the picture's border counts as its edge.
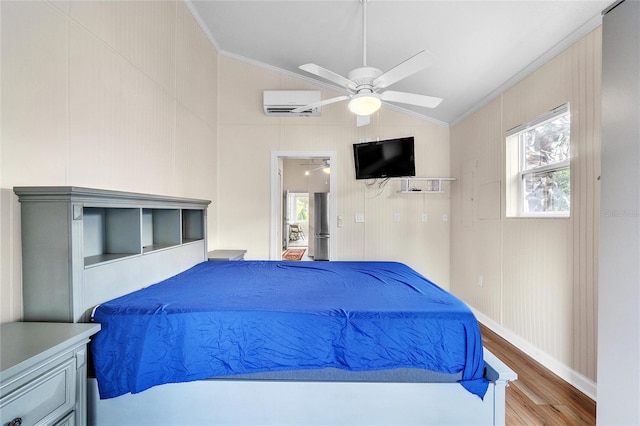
(329, 75)
(321, 103)
(362, 120)
(411, 66)
(410, 98)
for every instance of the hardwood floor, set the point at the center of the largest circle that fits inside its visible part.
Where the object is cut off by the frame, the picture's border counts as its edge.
(538, 397)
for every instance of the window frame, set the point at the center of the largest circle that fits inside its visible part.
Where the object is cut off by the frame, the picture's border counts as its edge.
(292, 204)
(516, 173)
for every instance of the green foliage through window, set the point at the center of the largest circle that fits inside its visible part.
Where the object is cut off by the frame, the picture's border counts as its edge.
(302, 209)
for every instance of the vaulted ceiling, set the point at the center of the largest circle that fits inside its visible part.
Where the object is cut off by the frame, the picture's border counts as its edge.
(481, 47)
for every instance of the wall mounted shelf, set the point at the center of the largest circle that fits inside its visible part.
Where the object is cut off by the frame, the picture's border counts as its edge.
(427, 185)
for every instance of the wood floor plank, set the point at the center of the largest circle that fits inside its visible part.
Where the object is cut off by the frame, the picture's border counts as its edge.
(538, 397)
(533, 396)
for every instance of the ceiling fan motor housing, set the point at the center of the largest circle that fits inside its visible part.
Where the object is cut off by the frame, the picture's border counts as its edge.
(363, 77)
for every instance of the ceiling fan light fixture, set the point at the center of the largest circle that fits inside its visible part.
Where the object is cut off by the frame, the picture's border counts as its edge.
(365, 104)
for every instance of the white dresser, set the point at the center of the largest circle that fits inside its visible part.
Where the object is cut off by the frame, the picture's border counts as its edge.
(43, 369)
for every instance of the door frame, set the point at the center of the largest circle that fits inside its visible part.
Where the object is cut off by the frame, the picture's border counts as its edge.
(276, 197)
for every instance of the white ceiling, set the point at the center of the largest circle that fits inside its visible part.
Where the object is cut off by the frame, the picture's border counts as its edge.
(481, 46)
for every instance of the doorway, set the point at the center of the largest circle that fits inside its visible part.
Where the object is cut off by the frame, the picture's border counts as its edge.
(320, 165)
(296, 217)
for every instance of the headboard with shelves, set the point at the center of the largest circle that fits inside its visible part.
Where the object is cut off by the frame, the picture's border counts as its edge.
(82, 246)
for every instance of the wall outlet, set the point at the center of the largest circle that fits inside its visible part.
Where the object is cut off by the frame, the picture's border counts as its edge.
(480, 280)
(396, 217)
(445, 217)
(359, 218)
(423, 217)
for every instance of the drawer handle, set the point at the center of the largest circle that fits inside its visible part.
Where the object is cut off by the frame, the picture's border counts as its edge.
(15, 422)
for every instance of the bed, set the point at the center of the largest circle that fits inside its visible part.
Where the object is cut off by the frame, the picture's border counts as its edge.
(270, 342)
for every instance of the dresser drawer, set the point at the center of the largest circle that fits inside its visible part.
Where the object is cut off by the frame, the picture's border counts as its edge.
(69, 420)
(44, 399)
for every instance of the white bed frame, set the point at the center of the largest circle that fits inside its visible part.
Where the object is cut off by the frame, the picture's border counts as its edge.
(55, 215)
(266, 402)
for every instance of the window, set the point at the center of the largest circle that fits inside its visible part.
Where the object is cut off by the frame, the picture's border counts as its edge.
(302, 208)
(538, 166)
(298, 207)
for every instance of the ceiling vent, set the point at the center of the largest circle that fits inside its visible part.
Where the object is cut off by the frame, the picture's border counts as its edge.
(281, 103)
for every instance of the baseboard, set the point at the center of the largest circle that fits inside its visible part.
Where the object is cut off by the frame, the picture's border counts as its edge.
(577, 380)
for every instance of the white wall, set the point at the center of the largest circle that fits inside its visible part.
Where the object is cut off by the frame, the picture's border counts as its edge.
(539, 276)
(113, 95)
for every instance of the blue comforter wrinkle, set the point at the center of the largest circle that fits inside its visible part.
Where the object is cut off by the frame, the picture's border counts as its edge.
(227, 318)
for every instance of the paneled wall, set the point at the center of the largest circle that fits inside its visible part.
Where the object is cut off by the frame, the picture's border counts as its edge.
(247, 136)
(113, 95)
(533, 280)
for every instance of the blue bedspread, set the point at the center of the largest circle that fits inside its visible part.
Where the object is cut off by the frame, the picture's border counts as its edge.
(226, 318)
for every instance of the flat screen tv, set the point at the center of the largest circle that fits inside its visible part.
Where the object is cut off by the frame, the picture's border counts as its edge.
(385, 159)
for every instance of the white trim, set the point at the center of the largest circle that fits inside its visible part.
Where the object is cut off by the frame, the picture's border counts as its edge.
(274, 242)
(543, 215)
(553, 167)
(582, 383)
(202, 25)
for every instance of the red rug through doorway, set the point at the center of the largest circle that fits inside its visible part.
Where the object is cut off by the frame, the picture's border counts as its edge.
(293, 254)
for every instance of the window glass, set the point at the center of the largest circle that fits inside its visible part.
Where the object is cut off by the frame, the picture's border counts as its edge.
(546, 191)
(298, 207)
(546, 143)
(302, 208)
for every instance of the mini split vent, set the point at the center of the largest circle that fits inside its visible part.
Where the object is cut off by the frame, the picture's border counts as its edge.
(281, 103)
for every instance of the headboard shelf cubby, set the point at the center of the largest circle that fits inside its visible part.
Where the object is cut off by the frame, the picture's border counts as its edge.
(160, 229)
(108, 233)
(81, 246)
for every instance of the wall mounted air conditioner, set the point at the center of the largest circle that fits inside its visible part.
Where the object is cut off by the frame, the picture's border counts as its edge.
(280, 103)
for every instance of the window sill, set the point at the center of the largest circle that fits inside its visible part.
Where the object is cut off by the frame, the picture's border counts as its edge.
(541, 216)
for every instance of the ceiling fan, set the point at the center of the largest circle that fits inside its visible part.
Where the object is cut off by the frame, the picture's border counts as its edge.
(363, 84)
(324, 165)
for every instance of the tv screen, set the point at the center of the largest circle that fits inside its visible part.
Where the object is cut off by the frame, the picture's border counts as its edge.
(384, 159)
